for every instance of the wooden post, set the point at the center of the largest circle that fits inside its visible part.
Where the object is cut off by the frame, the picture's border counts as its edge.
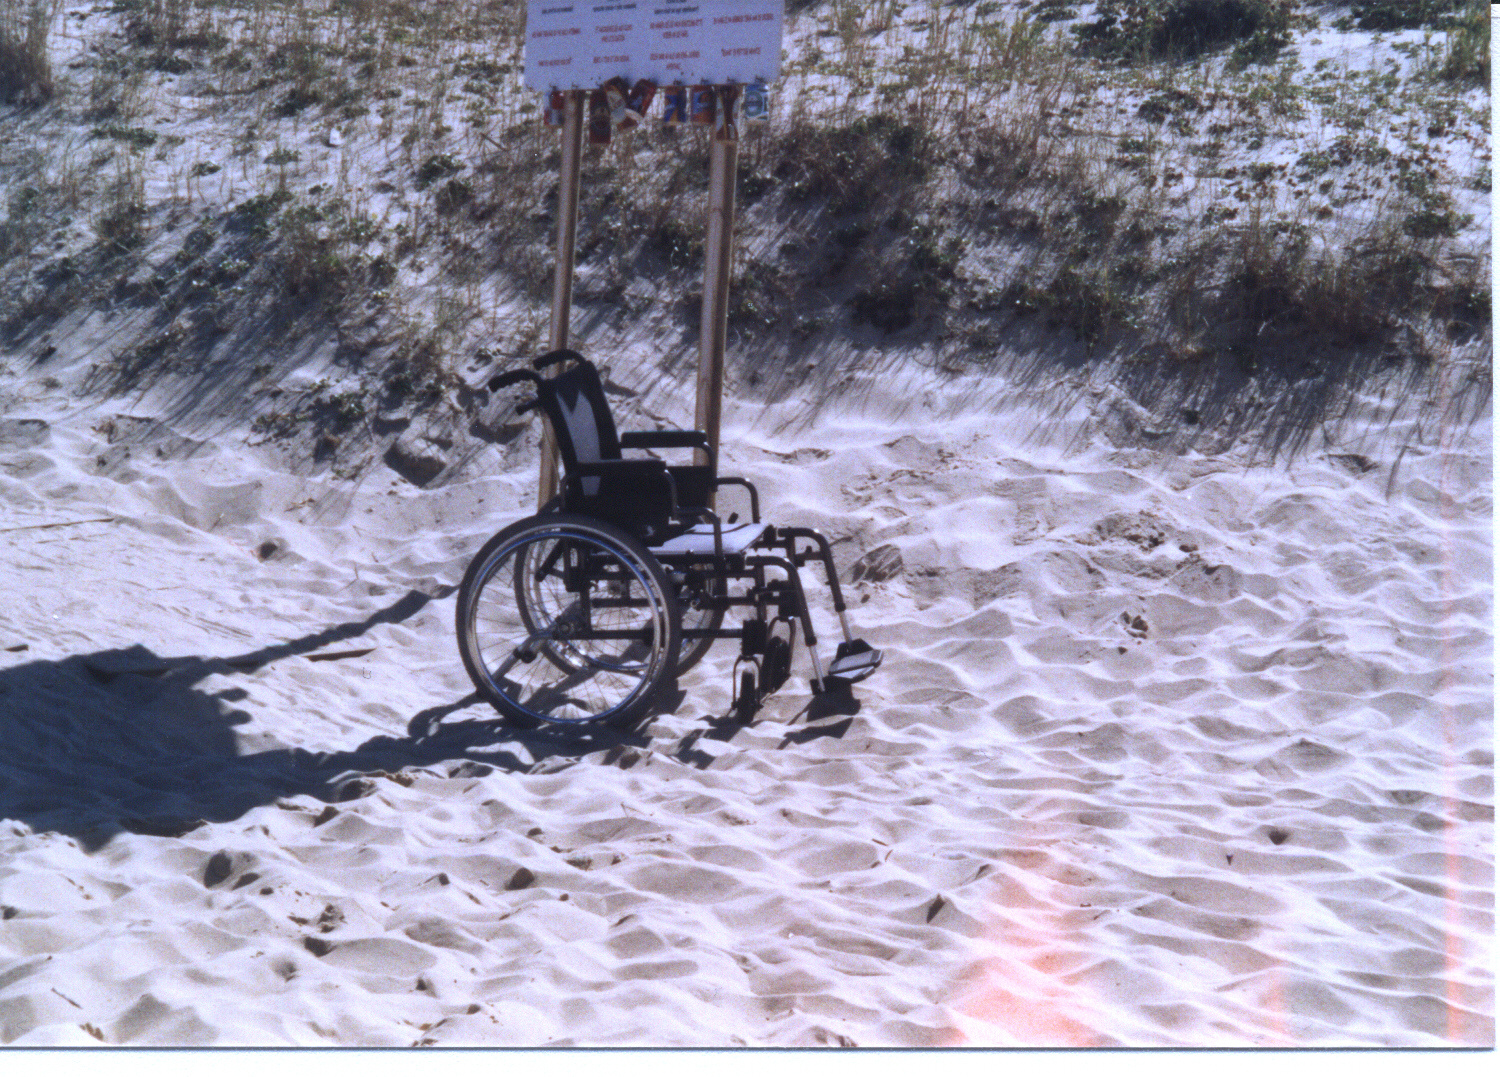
(562, 281)
(718, 259)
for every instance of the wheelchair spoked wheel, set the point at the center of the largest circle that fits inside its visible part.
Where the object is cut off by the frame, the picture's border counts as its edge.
(564, 618)
(540, 602)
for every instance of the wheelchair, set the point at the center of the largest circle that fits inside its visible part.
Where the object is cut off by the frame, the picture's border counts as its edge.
(590, 609)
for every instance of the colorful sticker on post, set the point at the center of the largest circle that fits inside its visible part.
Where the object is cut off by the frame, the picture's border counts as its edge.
(702, 106)
(674, 105)
(756, 103)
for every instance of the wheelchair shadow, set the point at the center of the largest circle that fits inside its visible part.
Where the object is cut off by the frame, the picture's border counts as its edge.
(834, 703)
(127, 741)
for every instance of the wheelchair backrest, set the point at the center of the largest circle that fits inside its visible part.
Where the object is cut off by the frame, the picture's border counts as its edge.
(640, 499)
(585, 429)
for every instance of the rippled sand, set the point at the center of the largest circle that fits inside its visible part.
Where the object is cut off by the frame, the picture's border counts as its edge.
(1167, 750)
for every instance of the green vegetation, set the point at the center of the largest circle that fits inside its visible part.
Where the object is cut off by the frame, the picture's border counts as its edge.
(1137, 30)
(1467, 57)
(137, 138)
(1403, 14)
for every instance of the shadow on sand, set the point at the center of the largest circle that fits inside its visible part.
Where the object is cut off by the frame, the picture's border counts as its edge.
(127, 741)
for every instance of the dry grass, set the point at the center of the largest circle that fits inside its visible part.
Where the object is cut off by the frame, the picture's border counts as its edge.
(25, 68)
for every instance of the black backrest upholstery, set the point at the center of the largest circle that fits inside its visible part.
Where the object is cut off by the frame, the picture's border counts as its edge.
(574, 401)
(637, 498)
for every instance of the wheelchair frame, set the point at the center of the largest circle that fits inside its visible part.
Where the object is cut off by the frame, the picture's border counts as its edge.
(602, 577)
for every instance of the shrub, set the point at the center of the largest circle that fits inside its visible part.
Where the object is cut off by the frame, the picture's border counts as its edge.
(1356, 292)
(854, 167)
(254, 214)
(438, 166)
(154, 22)
(887, 305)
(137, 138)
(1053, 11)
(1152, 29)
(1467, 58)
(121, 226)
(916, 279)
(1403, 14)
(454, 195)
(1090, 303)
(25, 219)
(681, 245)
(25, 71)
(339, 412)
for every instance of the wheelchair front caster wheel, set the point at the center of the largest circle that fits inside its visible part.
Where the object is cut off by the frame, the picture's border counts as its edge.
(776, 666)
(746, 702)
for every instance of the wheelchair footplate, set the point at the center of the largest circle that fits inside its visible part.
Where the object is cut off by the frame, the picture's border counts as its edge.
(854, 661)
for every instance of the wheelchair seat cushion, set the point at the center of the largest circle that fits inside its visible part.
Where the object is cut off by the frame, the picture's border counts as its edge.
(698, 540)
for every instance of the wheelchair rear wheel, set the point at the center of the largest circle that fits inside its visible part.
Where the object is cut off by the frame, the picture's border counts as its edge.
(564, 618)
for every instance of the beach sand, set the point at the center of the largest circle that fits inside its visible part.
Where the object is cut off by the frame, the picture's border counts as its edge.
(1169, 749)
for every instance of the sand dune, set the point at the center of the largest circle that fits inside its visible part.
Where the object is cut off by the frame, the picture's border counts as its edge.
(1167, 750)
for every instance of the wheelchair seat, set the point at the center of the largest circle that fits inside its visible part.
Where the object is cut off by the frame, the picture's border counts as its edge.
(698, 540)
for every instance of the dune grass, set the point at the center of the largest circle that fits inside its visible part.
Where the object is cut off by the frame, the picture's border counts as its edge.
(25, 66)
(950, 172)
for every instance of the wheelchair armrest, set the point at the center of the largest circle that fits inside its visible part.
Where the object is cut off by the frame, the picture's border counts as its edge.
(622, 469)
(748, 485)
(668, 439)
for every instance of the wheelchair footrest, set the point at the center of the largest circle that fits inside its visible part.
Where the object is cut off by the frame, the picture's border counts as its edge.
(855, 660)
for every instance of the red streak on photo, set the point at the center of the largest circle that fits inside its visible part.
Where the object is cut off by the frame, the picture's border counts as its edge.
(1018, 992)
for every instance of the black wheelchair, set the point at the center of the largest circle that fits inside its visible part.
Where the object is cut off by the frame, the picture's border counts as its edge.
(586, 611)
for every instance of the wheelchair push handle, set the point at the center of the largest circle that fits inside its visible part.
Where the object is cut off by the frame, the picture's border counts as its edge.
(562, 355)
(512, 377)
(515, 377)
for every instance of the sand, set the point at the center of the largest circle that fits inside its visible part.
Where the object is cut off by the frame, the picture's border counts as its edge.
(1169, 749)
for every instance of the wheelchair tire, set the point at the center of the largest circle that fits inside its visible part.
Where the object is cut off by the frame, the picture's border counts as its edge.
(564, 618)
(776, 667)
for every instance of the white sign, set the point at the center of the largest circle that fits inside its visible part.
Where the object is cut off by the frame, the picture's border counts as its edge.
(582, 45)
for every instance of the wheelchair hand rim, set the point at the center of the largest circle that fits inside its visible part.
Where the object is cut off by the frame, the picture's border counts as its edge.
(647, 673)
